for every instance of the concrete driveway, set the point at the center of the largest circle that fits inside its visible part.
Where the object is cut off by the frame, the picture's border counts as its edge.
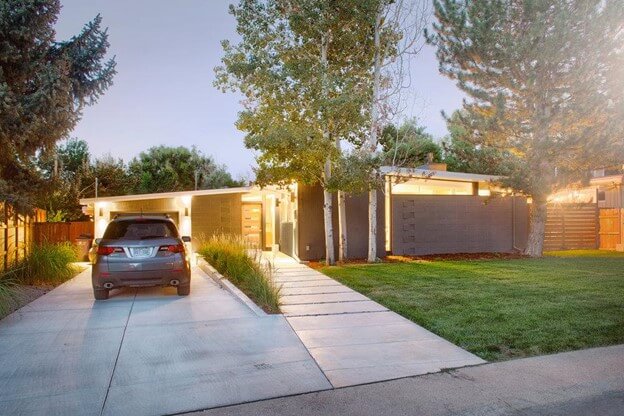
(146, 352)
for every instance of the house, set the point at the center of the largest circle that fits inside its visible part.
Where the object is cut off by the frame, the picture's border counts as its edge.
(420, 211)
(604, 188)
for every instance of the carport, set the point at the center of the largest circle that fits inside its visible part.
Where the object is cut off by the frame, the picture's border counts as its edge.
(265, 217)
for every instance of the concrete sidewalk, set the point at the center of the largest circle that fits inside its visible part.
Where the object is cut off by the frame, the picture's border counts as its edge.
(353, 339)
(587, 382)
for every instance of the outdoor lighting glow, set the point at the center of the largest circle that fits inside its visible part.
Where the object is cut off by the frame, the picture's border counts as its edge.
(186, 200)
(185, 226)
(101, 227)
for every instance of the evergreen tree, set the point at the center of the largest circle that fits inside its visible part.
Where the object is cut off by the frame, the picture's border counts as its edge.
(408, 145)
(545, 83)
(44, 86)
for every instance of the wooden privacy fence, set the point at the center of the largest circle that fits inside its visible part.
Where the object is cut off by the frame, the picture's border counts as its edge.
(60, 232)
(611, 223)
(16, 234)
(571, 227)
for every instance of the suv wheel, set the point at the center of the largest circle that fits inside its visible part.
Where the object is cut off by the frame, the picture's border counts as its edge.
(100, 294)
(184, 290)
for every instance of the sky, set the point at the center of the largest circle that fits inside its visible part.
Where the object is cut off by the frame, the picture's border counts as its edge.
(163, 94)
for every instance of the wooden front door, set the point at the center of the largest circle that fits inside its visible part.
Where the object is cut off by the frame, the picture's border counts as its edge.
(252, 224)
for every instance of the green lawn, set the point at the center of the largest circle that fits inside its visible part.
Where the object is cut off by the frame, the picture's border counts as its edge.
(501, 309)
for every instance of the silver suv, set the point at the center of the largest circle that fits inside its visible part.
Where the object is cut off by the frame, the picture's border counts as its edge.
(140, 251)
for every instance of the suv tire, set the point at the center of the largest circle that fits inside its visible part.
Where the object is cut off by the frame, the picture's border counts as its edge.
(100, 294)
(184, 290)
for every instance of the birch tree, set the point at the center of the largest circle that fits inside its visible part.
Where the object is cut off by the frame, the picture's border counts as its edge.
(397, 36)
(545, 83)
(302, 70)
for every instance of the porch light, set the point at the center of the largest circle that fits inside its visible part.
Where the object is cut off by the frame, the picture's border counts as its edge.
(186, 200)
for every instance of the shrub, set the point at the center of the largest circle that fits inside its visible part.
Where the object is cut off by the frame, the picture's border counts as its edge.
(234, 258)
(45, 264)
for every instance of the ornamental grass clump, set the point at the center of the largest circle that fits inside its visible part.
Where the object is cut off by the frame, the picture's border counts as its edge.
(232, 256)
(45, 264)
(8, 294)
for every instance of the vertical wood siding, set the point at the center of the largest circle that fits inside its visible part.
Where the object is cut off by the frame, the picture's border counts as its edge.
(215, 214)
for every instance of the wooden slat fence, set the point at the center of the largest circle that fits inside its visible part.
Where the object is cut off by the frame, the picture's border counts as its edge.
(571, 227)
(60, 232)
(16, 234)
(611, 223)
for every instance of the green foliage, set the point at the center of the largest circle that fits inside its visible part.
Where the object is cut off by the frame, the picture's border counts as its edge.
(44, 86)
(502, 309)
(356, 172)
(45, 264)
(230, 255)
(160, 169)
(299, 102)
(113, 178)
(167, 169)
(408, 145)
(462, 155)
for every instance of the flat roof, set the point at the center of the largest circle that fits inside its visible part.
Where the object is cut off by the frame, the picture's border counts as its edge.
(439, 174)
(139, 197)
(609, 178)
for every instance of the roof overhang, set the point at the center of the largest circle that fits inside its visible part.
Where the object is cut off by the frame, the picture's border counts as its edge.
(611, 179)
(438, 175)
(161, 195)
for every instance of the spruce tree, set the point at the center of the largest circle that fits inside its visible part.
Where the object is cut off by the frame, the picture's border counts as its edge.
(44, 86)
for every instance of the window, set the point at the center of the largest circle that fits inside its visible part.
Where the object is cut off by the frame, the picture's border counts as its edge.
(432, 187)
(602, 196)
(140, 230)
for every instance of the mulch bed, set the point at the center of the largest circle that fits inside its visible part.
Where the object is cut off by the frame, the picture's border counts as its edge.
(429, 257)
(26, 295)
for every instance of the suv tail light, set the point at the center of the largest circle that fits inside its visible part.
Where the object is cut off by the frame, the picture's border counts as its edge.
(106, 250)
(178, 248)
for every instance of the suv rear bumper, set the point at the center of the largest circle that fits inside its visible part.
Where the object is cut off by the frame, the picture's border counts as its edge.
(141, 278)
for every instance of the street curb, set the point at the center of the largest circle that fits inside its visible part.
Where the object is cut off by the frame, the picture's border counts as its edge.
(224, 283)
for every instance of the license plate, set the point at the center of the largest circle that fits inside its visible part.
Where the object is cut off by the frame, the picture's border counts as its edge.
(141, 251)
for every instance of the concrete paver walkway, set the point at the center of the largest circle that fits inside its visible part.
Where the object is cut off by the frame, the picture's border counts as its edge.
(353, 339)
(146, 352)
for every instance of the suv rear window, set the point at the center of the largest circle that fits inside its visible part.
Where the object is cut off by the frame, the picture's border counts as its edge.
(140, 230)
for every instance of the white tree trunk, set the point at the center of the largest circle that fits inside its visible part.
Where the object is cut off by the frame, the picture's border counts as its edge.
(537, 228)
(342, 227)
(327, 219)
(330, 257)
(372, 226)
(372, 195)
